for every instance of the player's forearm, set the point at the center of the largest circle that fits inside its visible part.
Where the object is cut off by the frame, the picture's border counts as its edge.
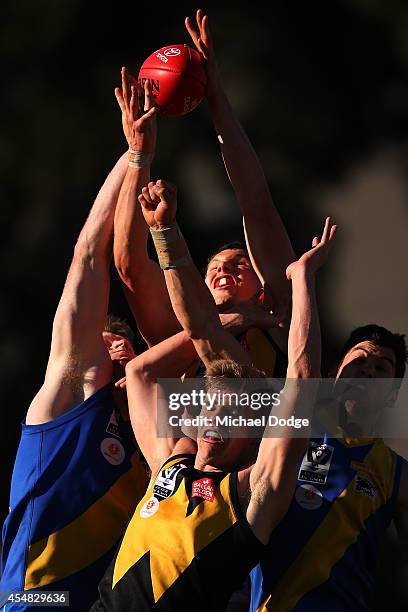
(131, 231)
(192, 302)
(304, 344)
(96, 235)
(241, 162)
(267, 239)
(168, 359)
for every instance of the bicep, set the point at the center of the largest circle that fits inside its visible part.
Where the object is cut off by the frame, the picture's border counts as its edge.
(145, 414)
(81, 312)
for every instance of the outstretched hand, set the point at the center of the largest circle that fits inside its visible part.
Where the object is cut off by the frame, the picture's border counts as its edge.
(312, 260)
(159, 203)
(138, 113)
(201, 37)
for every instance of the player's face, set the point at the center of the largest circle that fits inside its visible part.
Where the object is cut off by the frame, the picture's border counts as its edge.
(366, 360)
(120, 349)
(216, 446)
(231, 278)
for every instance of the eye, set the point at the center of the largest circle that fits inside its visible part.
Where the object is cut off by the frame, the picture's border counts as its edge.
(244, 263)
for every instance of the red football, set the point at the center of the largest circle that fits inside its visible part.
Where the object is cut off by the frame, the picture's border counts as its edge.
(178, 78)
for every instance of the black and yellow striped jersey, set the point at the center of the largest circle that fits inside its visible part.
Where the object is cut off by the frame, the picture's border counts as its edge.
(188, 545)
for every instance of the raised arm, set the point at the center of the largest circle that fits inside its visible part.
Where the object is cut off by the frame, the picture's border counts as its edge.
(191, 300)
(142, 280)
(267, 240)
(272, 478)
(168, 359)
(79, 363)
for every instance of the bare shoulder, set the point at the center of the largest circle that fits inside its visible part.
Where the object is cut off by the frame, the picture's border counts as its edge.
(183, 446)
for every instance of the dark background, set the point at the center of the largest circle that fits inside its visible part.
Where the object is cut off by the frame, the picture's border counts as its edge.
(322, 89)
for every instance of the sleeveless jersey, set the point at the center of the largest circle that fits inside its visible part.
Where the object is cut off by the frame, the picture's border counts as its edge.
(75, 484)
(264, 352)
(187, 547)
(322, 556)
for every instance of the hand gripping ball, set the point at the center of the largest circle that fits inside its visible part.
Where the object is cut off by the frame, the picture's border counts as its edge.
(178, 79)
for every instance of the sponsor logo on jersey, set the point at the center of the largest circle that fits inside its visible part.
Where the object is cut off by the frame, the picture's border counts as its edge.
(316, 463)
(165, 482)
(362, 485)
(308, 497)
(203, 488)
(113, 451)
(149, 508)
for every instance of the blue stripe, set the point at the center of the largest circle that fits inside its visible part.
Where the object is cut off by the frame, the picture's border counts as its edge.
(351, 585)
(299, 525)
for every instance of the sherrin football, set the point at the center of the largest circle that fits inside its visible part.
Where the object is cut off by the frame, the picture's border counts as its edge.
(178, 79)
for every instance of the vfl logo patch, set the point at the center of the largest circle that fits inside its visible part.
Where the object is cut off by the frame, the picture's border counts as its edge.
(316, 463)
(203, 488)
(113, 425)
(362, 485)
(165, 482)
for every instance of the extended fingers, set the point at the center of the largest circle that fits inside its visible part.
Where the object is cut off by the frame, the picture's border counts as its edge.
(119, 98)
(326, 230)
(148, 96)
(134, 104)
(121, 383)
(125, 83)
(191, 30)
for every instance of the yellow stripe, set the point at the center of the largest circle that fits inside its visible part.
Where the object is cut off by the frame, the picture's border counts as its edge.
(337, 532)
(88, 537)
(172, 538)
(261, 351)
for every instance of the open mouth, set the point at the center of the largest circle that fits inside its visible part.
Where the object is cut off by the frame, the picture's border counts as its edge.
(223, 282)
(212, 436)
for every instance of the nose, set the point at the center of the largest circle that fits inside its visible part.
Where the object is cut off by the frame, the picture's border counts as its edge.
(224, 266)
(366, 369)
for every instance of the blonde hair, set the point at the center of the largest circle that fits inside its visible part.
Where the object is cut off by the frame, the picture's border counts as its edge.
(221, 370)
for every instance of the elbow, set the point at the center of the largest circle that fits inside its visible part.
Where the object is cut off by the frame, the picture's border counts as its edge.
(91, 249)
(139, 368)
